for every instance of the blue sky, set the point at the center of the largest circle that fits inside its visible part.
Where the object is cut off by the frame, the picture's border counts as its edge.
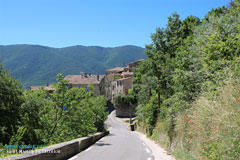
(107, 23)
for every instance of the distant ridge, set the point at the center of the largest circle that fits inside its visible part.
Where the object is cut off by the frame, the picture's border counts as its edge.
(38, 65)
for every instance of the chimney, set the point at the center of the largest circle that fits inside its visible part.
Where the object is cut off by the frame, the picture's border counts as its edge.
(98, 77)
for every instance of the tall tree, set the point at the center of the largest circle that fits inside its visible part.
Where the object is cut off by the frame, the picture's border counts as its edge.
(161, 52)
(167, 70)
(10, 102)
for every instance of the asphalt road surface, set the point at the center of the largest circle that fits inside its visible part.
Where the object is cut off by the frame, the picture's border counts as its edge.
(120, 144)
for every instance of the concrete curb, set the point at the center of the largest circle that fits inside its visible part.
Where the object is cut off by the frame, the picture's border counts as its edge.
(60, 151)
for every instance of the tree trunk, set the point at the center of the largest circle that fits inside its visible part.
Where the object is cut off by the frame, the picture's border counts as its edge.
(158, 111)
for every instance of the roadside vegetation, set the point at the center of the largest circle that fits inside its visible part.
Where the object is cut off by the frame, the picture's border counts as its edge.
(43, 118)
(188, 85)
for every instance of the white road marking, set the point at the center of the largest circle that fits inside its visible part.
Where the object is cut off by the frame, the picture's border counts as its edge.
(143, 143)
(147, 150)
(72, 158)
(88, 149)
(149, 158)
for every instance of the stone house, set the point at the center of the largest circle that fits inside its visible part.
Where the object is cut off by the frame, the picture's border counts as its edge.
(112, 75)
(126, 74)
(121, 86)
(116, 70)
(113, 86)
(82, 81)
(118, 80)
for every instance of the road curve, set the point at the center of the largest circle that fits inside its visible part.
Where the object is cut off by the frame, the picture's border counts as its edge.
(120, 144)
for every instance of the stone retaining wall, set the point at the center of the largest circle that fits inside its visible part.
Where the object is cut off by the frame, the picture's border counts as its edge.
(60, 151)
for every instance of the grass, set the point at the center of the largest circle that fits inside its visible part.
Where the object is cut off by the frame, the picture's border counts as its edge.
(182, 154)
(210, 129)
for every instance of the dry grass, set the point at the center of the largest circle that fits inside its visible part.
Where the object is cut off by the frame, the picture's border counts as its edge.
(210, 129)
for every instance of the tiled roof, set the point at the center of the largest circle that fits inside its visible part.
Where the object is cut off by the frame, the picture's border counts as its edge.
(49, 88)
(140, 60)
(117, 69)
(82, 79)
(123, 79)
(127, 73)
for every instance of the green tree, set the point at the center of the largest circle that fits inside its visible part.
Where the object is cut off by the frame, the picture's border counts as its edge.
(171, 68)
(11, 98)
(35, 107)
(66, 114)
(73, 113)
(185, 60)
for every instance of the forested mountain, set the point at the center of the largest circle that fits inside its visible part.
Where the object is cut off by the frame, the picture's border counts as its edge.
(38, 65)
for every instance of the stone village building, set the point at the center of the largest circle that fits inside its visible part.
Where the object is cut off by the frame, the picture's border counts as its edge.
(117, 81)
(83, 80)
(120, 86)
(111, 76)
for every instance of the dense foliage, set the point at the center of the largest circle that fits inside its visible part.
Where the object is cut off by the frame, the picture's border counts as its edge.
(38, 65)
(187, 59)
(39, 117)
(11, 99)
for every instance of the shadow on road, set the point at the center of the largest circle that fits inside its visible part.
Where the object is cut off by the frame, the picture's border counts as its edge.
(110, 134)
(109, 107)
(102, 144)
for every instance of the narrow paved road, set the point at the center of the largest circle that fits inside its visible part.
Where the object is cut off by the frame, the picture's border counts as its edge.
(120, 144)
